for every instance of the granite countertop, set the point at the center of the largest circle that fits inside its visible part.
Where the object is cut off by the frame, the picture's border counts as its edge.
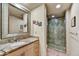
(8, 47)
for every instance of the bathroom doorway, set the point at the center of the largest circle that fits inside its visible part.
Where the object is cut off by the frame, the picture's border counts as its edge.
(56, 34)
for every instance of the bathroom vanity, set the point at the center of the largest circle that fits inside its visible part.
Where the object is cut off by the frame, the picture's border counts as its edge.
(16, 39)
(24, 47)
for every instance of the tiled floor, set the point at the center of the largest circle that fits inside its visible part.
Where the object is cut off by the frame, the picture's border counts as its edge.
(53, 52)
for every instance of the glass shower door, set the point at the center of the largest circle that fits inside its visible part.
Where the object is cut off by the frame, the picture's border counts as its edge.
(56, 34)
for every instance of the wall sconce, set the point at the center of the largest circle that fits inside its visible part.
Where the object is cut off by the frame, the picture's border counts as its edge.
(25, 25)
(37, 23)
(34, 22)
(73, 21)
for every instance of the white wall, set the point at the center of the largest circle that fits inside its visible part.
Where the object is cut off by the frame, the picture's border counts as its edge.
(67, 32)
(39, 14)
(72, 33)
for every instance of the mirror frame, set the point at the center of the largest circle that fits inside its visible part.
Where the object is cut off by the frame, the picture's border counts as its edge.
(6, 35)
(1, 21)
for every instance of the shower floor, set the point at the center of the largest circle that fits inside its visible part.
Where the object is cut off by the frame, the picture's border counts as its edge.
(54, 52)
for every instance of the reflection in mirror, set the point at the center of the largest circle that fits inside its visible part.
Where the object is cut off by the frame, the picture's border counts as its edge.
(0, 21)
(17, 20)
(14, 20)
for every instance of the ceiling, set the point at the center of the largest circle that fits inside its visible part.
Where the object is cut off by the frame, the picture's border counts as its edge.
(51, 7)
(52, 10)
(31, 6)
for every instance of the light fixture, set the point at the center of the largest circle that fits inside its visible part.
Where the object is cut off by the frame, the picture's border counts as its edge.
(53, 16)
(58, 6)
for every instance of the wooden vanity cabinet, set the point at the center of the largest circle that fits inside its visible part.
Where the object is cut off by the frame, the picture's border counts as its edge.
(18, 52)
(36, 48)
(31, 49)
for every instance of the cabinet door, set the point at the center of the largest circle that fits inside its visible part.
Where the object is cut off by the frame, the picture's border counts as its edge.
(29, 50)
(36, 48)
(32, 49)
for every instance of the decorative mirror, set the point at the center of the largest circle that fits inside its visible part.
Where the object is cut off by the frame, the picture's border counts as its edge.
(14, 19)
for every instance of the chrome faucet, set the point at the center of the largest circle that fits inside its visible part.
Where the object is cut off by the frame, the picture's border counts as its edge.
(16, 40)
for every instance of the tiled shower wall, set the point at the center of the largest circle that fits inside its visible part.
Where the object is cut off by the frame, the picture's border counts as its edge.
(56, 34)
